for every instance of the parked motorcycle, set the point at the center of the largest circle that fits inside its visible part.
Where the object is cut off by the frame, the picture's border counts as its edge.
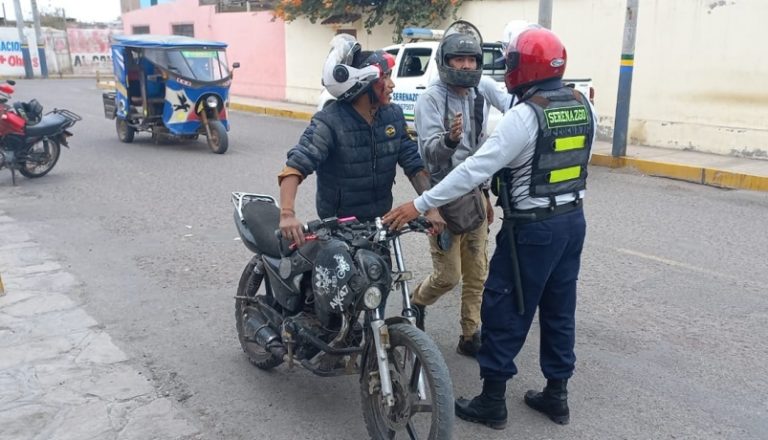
(321, 306)
(30, 142)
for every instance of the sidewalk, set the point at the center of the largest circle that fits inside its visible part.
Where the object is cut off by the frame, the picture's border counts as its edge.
(61, 376)
(703, 168)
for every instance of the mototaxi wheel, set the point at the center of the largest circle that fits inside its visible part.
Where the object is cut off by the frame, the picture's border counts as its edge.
(124, 131)
(249, 288)
(412, 354)
(218, 141)
(40, 158)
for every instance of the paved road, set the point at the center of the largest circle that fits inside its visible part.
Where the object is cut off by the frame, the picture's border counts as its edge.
(671, 321)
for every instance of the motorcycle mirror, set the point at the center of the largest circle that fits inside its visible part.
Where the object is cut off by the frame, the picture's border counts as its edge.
(235, 65)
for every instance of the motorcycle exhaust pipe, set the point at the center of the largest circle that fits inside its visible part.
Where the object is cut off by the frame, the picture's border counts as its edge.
(257, 330)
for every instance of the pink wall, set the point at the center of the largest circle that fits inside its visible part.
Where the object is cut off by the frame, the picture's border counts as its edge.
(256, 42)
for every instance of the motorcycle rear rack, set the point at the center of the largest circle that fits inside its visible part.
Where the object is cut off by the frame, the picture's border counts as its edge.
(72, 116)
(239, 199)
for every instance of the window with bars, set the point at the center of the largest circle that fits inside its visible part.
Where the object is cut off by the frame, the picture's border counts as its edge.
(187, 29)
(137, 30)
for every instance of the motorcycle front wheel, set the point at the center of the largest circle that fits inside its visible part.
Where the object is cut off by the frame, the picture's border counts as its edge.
(218, 141)
(40, 158)
(248, 291)
(413, 358)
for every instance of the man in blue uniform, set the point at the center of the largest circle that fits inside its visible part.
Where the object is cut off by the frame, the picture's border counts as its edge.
(538, 158)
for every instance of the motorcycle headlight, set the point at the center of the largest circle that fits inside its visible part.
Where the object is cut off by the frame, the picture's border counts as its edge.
(212, 101)
(372, 297)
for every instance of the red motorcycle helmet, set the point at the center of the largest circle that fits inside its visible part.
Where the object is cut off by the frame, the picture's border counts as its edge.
(536, 55)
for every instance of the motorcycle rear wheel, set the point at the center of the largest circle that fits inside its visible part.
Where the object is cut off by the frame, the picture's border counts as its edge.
(250, 287)
(411, 351)
(40, 158)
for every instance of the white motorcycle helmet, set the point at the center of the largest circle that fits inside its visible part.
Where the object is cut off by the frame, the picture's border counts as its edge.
(346, 82)
(513, 29)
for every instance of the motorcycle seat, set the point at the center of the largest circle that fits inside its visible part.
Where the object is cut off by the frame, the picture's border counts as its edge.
(262, 219)
(50, 124)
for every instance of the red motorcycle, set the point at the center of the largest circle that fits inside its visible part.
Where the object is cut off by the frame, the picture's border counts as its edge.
(30, 142)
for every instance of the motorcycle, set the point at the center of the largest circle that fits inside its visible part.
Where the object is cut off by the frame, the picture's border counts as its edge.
(321, 305)
(30, 142)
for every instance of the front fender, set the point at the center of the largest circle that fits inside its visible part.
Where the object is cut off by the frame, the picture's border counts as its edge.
(396, 320)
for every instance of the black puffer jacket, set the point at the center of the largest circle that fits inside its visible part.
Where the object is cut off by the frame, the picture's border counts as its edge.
(355, 162)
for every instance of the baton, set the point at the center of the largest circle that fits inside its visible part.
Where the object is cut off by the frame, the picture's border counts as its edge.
(509, 222)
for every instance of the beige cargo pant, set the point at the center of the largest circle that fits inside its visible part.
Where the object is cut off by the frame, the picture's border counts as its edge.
(465, 261)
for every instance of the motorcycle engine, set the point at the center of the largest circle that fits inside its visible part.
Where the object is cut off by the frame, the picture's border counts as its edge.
(13, 142)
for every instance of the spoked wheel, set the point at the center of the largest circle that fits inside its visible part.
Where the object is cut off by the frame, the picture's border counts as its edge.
(218, 141)
(124, 131)
(40, 158)
(421, 385)
(248, 290)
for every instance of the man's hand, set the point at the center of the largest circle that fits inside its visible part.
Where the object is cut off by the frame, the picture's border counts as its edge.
(291, 228)
(438, 224)
(457, 127)
(400, 216)
(489, 213)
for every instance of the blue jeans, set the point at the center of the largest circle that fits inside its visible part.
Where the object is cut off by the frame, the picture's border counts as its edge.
(549, 253)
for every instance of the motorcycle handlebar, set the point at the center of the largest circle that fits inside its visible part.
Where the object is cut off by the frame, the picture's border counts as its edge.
(420, 224)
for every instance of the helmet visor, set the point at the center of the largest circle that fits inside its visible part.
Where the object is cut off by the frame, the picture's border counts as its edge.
(512, 60)
(464, 28)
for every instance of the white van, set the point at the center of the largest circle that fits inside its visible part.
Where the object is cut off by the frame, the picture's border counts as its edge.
(415, 68)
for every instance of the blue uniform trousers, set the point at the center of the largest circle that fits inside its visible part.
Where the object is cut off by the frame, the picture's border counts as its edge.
(549, 253)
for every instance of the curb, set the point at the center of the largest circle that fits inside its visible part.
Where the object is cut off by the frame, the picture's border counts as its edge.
(701, 175)
(280, 113)
(688, 173)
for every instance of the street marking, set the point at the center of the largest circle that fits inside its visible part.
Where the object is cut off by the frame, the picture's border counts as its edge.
(666, 261)
(691, 267)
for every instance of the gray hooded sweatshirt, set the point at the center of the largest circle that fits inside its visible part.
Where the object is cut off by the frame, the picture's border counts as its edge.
(436, 108)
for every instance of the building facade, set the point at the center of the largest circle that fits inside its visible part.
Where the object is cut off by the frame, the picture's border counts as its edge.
(697, 83)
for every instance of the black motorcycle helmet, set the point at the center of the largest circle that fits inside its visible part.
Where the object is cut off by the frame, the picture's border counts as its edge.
(460, 39)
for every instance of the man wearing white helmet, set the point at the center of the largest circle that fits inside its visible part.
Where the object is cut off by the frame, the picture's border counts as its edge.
(451, 119)
(354, 144)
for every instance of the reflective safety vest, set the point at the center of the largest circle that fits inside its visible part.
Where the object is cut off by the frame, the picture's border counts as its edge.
(563, 144)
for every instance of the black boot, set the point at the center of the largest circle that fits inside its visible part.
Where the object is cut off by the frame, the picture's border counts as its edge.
(489, 408)
(469, 346)
(552, 401)
(421, 314)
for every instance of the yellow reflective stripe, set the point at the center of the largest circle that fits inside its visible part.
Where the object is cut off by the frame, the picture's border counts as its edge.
(570, 143)
(557, 176)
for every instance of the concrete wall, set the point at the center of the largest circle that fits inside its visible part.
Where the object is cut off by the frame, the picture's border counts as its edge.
(255, 41)
(11, 60)
(90, 51)
(699, 77)
(56, 51)
(307, 45)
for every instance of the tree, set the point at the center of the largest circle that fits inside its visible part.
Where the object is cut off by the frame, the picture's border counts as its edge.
(401, 13)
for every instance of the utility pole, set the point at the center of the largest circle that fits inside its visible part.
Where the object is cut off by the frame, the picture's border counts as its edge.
(621, 120)
(28, 72)
(545, 13)
(40, 40)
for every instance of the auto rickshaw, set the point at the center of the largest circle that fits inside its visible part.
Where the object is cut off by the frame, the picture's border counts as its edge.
(170, 86)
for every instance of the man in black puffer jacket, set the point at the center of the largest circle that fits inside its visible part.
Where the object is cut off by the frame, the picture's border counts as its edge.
(354, 144)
